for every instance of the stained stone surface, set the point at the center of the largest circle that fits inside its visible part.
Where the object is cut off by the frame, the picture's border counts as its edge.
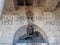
(12, 21)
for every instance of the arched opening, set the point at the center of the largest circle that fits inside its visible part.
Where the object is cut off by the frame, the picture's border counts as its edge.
(22, 31)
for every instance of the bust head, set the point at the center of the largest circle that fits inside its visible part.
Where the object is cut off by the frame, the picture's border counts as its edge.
(30, 30)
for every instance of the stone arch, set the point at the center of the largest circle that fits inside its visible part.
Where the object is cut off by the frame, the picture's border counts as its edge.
(21, 32)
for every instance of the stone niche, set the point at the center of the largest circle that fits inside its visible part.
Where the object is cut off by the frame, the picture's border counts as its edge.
(13, 4)
(43, 40)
